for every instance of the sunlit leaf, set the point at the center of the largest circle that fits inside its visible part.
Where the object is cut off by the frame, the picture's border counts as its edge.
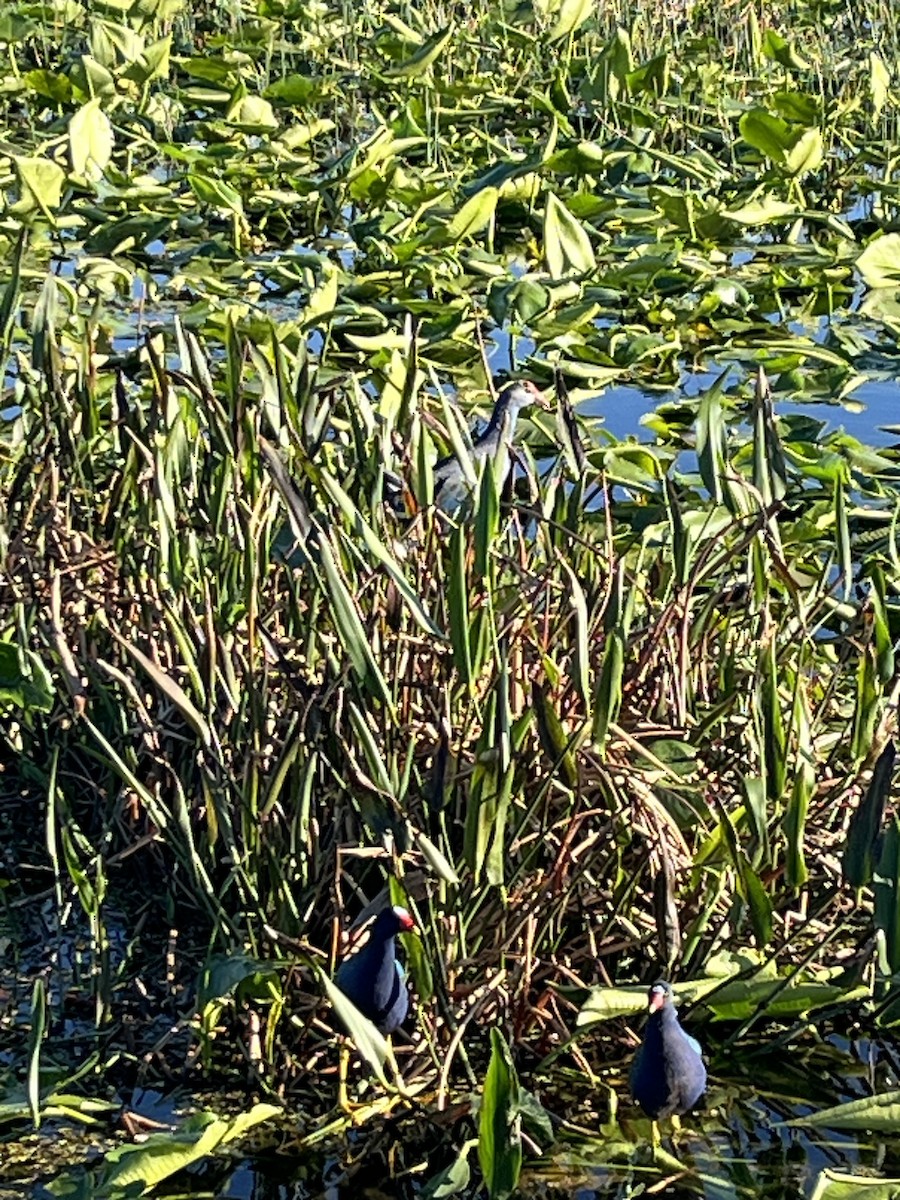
(879, 263)
(90, 140)
(567, 247)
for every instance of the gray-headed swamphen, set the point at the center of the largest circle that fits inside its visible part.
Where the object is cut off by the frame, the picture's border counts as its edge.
(451, 487)
(668, 1076)
(373, 979)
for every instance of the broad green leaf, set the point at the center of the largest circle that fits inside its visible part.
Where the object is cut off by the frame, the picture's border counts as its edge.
(499, 1134)
(567, 247)
(40, 186)
(766, 133)
(354, 638)
(875, 1113)
(380, 552)
(366, 1038)
(887, 895)
(571, 15)
(91, 141)
(436, 860)
(775, 47)
(24, 680)
(879, 83)
(49, 84)
(216, 193)
(453, 1179)
(806, 154)
(164, 1154)
(552, 736)
(841, 1185)
(458, 605)
(879, 263)
(861, 851)
(170, 689)
(475, 214)
(253, 114)
(35, 1047)
(418, 63)
(730, 999)
(767, 211)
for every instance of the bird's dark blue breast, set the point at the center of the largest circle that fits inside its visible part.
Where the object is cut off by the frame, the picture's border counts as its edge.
(668, 1076)
(374, 981)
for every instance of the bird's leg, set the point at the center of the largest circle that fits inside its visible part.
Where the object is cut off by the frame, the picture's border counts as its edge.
(655, 1140)
(676, 1124)
(343, 1067)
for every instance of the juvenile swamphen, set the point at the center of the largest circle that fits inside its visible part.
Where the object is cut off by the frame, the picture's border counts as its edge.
(373, 979)
(668, 1076)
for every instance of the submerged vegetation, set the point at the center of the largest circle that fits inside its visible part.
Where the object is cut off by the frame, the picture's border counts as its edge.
(631, 714)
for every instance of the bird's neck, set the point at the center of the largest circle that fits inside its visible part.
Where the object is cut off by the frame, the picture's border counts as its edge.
(503, 415)
(661, 1022)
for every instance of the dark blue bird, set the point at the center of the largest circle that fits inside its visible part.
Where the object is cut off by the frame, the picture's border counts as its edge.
(668, 1076)
(373, 978)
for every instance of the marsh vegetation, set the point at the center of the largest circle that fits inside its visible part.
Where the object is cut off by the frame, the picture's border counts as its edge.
(631, 714)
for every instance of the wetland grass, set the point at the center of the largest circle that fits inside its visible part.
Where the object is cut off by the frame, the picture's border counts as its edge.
(635, 716)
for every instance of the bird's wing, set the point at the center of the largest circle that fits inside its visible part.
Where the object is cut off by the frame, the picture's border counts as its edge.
(694, 1044)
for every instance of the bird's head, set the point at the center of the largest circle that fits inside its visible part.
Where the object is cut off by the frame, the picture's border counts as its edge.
(402, 921)
(520, 393)
(659, 995)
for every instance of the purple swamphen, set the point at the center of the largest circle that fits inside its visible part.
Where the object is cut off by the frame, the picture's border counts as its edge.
(668, 1076)
(373, 979)
(451, 487)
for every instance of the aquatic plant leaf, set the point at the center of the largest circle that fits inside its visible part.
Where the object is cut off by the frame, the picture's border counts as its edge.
(499, 1133)
(52, 85)
(879, 263)
(841, 1185)
(728, 999)
(777, 48)
(91, 140)
(767, 211)
(216, 192)
(35, 1040)
(417, 64)
(553, 737)
(876, 1113)
(475, 214)
(226, 972)
(581, 653)
(24, 680)
(40, 185)
(436, 860)
(862, 849)
(570, 15)
(458, 605)
(806, 154)
(766, 133)
(886, 880)
(170, 689)
(567, 247)
(348, 622)
(453, 1179)
(379, 551)
(371, 1045)
(140, 1168)
(879, 83)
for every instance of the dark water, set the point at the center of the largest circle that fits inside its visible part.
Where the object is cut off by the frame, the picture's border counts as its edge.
(740, 1146)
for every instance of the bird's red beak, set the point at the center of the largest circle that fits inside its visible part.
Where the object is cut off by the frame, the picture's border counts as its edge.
(537, 395)
(657, 1000)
